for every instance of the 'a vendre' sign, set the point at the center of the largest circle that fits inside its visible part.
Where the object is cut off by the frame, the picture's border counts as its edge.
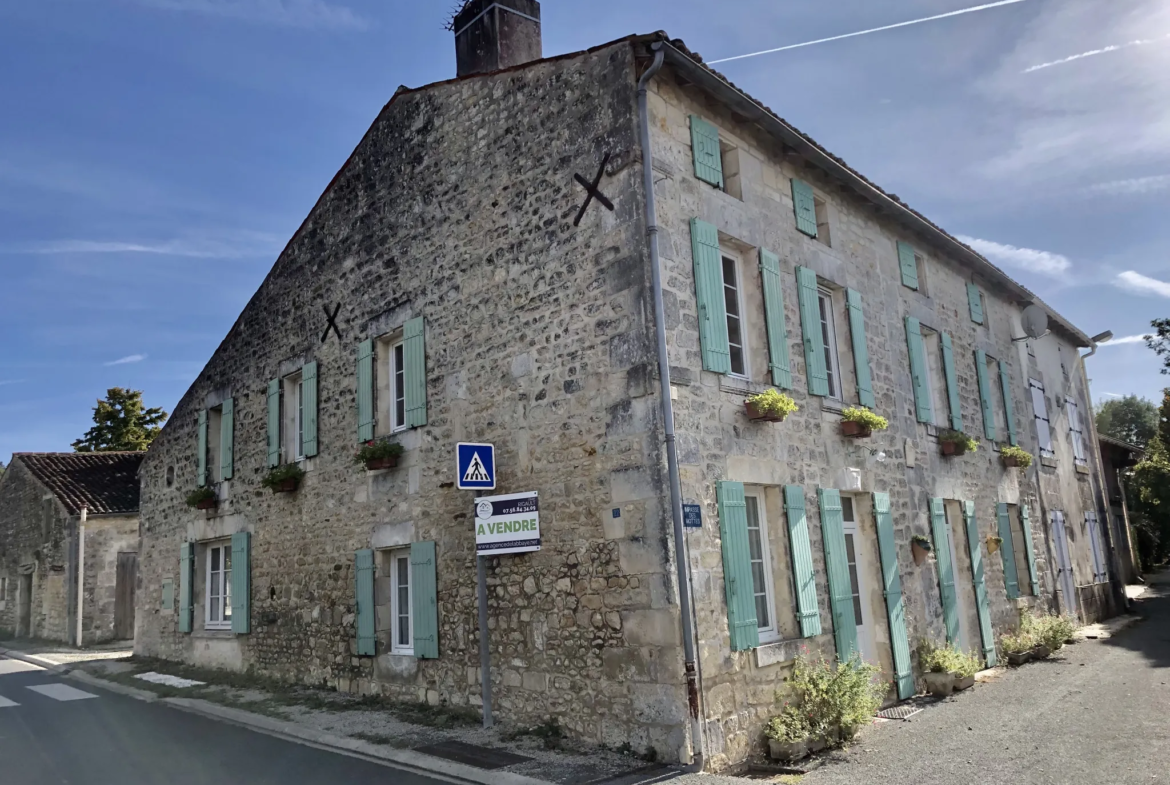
(507, 524)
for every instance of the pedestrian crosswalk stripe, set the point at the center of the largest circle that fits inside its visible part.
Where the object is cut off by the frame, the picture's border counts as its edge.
(5, 703)
(62, 692)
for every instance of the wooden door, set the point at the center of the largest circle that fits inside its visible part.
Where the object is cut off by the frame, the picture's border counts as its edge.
(125, 581)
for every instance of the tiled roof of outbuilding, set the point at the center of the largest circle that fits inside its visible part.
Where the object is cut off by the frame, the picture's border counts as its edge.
(103, 482)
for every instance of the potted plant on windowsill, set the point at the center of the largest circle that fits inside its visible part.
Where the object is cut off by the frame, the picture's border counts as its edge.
(920, 548)
(956, 443)
(994, 543)
(285, 478)
(1017, 648)
(1015, 456)
(858, 422)
(769, 406)
(202, 499)
(379, 455)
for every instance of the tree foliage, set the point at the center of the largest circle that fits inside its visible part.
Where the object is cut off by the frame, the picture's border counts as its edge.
(1131, 419)
(1159, 341)
(121, 423)
(1147, 490)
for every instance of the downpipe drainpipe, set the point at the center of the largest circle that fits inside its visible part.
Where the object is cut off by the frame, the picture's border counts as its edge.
(680, 556)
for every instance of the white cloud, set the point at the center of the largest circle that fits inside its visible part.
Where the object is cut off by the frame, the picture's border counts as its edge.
(1043, 262)
(308, 14)
(4, 382)
(133, 358)
(1123, 341)
(233, 246)
(1141, 284)
(1094, 53)
(1131, 187)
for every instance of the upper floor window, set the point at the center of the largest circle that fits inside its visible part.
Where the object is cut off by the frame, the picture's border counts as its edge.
(397, 386)
(294, 417)
(214, 443)
(936, 379)
(1040, 412)
(829, 337)
(733, 302)
(1076, 432)
(219, 587)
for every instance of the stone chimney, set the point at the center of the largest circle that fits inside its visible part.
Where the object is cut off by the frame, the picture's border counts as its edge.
(495, 34)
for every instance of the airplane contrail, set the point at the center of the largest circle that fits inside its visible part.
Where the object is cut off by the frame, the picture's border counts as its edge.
(961, 11)
(1093, 52)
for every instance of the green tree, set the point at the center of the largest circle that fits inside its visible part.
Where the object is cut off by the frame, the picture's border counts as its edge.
(1131, 419)
(121, 423)
(1147, 489)
(1159, 341)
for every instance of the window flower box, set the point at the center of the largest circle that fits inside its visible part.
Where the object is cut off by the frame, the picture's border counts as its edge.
(769, 406)
(376, 455)
(920, 548)
(1015, 457)
(375, 464)
(857, 422)
(202, 499)
(284, 479)
(855, 430)
(953, 443)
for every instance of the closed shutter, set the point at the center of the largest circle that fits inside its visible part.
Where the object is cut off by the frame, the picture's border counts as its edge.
(946, 569)
(737, 567)
(309, 402)
(908, 265)
(778, 359)
(365, 390)
(414, 354)
(1008, 413)
(273, 422)
(837, 565)
(982, 606)
(168, 595)
(186, 585)
(985, 400)
(948, 356)
(201, 470)
(241, 583)
(1074, 427)
(805, 206)
(892, 583)
(1091, 530)
(810, 325)
(923, 409)
(1040, 411)
(424, 597)
(860, 349)
(707, 154)
(1029, 548)
(975, 301)
(804, 576)
(367, 640)
(1011, 580)
(227, 433)
(709, 295)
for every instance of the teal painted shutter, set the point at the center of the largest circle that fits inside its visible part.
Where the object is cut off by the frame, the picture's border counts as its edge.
(1029, 549)
(705, 148)
(805, 207)
(948, 355)
(774, 316)
(309, 401)
(273, 422)
(860, 349)
(975, 300)
(709, 294)
(1007, 551)
(922, 405)
(986, 634)
(946, 569)
(892, 580)
(241, 583)
(1008, 414)
(168, 595)
(837, 564)
(201, 471)
(908, 265)
(804, 575)
(985, 394)
(810, 325)
(414, 356)
(737, 567)
(365, 390)
(367, 639)
(186, 583)
(227, 434)
(424, 598)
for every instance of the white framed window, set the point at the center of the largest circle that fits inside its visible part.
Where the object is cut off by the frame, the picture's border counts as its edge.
(3, 593)
(218, 615)
(761, 560)
(293, 418)
(401, 603)
(1076, 432)
(397, 403)
(1040, 413)
(821, 213)
(214, 445)
(733, 300)
(829, 338)
(732, 180)
(936, 379)
(850, 520)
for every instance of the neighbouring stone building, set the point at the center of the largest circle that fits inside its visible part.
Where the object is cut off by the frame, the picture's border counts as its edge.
(453, 284)
(1118, 457)
(69, 528)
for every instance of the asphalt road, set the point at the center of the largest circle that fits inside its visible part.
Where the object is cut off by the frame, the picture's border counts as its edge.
(54, 731)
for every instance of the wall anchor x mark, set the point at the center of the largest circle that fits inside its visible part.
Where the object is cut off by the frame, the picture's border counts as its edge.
(593, 192)
(331, 322)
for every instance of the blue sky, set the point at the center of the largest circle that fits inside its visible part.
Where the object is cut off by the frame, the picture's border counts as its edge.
(155, 155)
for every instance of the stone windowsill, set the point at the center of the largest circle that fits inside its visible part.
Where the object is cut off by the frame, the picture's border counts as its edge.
(740, 386)
(778, 652)
(1048, 462)
(1082, 468)
(213, 634)
(832, 405)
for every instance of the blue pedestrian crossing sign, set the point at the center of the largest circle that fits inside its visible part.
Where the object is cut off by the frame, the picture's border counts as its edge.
(475, 466)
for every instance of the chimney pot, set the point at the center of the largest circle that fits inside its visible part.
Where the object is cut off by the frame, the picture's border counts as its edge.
(494, 34)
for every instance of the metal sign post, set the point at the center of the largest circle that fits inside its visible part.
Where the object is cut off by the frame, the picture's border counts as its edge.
(485, 654)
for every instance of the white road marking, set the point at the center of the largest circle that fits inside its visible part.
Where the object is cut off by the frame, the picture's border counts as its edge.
(16, 666)
(5, 703)
(62, 692)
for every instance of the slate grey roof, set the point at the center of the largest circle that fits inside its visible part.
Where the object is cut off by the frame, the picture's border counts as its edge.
(103, 482)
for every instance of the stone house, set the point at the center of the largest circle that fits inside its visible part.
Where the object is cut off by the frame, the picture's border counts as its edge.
(479, 271)
(69, 529)
(1118, 457)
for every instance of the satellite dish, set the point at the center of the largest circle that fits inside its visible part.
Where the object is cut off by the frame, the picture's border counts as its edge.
(1035, 320)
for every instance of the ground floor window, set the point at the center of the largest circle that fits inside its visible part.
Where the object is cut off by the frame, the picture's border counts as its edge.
(402, 633)
(761, 562)
(219, 587)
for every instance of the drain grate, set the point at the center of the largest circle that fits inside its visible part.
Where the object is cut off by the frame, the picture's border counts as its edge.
(900, 712)
(472, 755)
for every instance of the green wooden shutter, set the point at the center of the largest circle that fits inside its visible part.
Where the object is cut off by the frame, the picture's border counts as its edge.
(241, 583)
(186, 584)
(908, 265)
(1029, 549)
(424, 597)
(975, 300)
(946, 569)
(414, 355)
(367, 639)
(201, 471)
(986, 634)
(810, 325)
(805, 206)
(923, 408)
(860, 350)
(892, 581)
(365, 390)
(168, 594)
(709, 294)
(1008, 551)
(707, 154)
(779, 362)
(227, 433)
(804, 575)
(1008, 415)
(985, 394)
(948, 355)
(309, 402)
(737, 567)
(273, 422)
(837, 564)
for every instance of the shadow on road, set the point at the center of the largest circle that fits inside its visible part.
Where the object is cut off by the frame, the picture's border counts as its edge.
(1151, 636)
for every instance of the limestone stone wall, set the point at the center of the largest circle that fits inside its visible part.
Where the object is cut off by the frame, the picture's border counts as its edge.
(105, 538)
